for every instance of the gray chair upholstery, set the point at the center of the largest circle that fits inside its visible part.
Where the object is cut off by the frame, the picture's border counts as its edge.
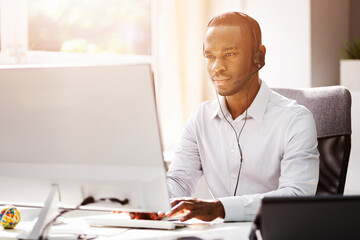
(331, 107)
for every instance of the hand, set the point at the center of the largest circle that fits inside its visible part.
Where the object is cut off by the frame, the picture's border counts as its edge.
(206, 210)
(151, 216)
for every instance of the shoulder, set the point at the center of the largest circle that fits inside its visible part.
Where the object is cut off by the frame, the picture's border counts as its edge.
(295, 119)
(289, 108)
(202, 115)
(205, 110)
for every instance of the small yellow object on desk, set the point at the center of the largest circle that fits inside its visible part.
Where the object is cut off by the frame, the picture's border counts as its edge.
(9, 217)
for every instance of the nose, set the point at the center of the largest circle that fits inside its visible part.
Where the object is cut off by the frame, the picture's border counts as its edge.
(218, 66)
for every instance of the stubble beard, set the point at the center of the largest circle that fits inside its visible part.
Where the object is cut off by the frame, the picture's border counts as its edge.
(229, 92)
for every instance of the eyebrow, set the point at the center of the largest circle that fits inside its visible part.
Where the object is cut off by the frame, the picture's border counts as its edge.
(223, 50)
(229, 48)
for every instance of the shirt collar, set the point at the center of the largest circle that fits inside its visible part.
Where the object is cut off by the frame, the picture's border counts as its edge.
(257, 108)
(217, 112)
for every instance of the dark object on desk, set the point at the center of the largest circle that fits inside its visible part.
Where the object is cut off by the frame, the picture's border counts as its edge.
(310, 218)
(331, 107)
(188, 238)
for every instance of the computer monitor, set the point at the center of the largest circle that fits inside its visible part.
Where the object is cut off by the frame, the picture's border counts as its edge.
(93, 130)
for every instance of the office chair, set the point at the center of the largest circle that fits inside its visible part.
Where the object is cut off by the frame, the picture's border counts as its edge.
(331, 107)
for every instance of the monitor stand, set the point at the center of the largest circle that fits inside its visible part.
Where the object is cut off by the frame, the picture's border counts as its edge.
(48, 212)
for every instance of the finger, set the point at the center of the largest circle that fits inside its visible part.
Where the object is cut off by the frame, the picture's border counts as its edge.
(175, 201)
(154, 216)
(180, 208)
(190, 215)
(161, 214)
(137, 216)
(172, 212)
(132, 215)
(142, 216)
(175, 214)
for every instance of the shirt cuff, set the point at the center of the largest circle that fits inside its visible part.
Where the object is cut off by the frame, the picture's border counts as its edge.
(234, 208)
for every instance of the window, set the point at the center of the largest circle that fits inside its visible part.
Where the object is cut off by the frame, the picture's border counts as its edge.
(57, 31)
(92, 26)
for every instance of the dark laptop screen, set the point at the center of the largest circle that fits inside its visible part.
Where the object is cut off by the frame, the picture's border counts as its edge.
(320, 217)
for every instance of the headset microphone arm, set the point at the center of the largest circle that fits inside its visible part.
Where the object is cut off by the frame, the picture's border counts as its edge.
(248, 76)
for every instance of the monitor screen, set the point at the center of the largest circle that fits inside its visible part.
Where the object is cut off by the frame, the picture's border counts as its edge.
(93, 130)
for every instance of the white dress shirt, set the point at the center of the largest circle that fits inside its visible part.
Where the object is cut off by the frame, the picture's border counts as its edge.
(279, 149)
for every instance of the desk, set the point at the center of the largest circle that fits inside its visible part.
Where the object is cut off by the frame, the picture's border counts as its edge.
(226, 231)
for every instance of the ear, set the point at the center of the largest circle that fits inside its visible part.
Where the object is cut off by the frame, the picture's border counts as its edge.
(262, 48)
(259, 57)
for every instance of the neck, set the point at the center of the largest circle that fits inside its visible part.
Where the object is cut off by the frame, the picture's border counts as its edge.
(239, 102)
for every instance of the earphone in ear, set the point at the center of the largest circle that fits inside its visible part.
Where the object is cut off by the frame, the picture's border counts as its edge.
(259, 59)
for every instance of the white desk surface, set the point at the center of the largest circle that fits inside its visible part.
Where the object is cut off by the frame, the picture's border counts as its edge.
(197, 231)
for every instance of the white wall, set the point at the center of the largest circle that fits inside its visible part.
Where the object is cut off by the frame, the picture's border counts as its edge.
(285, 29)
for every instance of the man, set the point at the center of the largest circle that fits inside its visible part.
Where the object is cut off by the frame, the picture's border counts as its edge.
(249, 144)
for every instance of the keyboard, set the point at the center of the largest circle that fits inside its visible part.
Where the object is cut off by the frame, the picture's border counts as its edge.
(113, 220)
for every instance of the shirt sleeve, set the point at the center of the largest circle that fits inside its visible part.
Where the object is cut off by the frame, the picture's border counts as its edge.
(299, 170)
(185, 169)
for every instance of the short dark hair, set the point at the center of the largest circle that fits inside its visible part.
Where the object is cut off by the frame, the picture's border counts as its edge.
(235, 19)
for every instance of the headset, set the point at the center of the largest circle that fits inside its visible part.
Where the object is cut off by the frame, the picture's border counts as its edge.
(259, 61)
(259, 56)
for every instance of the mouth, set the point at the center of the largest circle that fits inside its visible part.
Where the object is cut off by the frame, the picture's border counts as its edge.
(220, 81)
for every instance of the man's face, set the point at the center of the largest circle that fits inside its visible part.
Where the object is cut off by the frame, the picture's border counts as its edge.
(229, 57)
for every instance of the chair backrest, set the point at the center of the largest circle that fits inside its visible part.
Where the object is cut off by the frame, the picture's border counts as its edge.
(331, 107)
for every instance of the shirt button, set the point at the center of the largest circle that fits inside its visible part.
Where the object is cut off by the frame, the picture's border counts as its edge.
(232, 150)
(234, 175)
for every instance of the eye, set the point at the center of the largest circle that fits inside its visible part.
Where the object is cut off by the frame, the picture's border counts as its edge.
(209, 56)
(229, 54)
